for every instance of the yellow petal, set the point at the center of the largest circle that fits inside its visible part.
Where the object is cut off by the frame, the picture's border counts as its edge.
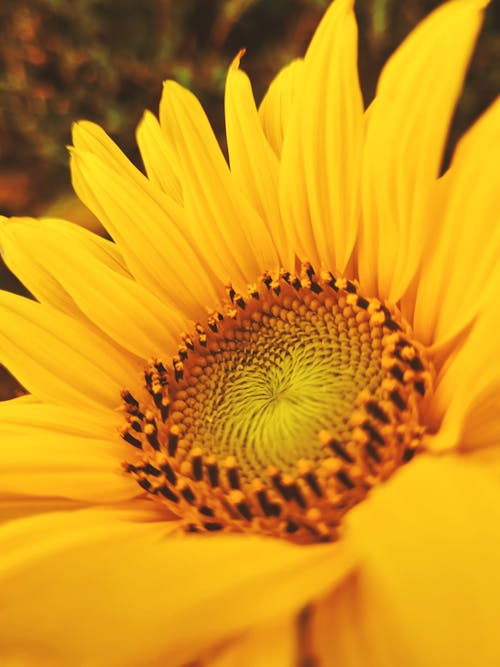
(18, 414)
(429, 541)
(406, 132)
(59, 359)
(19, 507)
(466, 402)
(355, 627)
(272, 644)
(159, 158)
(229, 230)
(277, 106)
(127, 312)
(25, 263)
(149, 230)
(92, 138)
(488, 457)
(322, 147)
(137, 596)
(35, 540)
(254, 165)
(65, 452)
(61, 465)
(28, 656)
(461, 260)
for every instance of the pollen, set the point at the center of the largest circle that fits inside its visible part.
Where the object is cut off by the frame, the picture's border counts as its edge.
(281, 411)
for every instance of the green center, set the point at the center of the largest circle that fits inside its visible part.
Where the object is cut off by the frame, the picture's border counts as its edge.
(267, 391)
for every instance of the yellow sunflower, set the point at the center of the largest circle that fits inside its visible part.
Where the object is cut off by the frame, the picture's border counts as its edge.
(262, 424)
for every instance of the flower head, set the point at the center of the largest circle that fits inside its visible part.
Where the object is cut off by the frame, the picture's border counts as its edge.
(294, 348)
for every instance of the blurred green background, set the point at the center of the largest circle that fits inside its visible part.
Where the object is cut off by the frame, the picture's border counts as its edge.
(104, 60)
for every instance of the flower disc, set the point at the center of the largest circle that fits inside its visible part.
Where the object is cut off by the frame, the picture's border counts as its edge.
(282, 412)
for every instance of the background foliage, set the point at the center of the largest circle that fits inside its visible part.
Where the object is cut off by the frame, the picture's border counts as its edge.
(104, 60)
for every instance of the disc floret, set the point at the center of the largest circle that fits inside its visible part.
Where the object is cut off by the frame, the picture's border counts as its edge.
(279, 413)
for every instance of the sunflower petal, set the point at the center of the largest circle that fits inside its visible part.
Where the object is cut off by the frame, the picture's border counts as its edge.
(54, 451)
(254, 165)
(406, 132)
(354, 626)
(320, 162)
(429, 541)
(59, 359)
(466, 403)
(24, 260)
(159, 158)
(156, 597)
(20, 507)
(276, 107)
(60, 465)
(454, 277)
(149, 229)
(272, 644)
(222, 221)
(127, 312)
(19, 415)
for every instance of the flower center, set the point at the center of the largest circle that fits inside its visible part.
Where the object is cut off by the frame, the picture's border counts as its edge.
(282, 412)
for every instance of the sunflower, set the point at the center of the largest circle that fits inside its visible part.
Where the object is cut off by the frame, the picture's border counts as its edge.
(261, 424)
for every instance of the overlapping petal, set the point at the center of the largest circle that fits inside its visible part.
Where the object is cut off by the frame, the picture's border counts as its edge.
(407, 128)
(149, 227)
(59, 359)
(460, 259)
(159, 157)
(276, 107)
(429, 540)
(222, 221)
(127, 312)
(156, 595)
(320, 162)
(25, 262)
(48, 417)
(467, 400)
(53, 451)
(354, 626)
(60, 465)
(270, 644)
(254, 165)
